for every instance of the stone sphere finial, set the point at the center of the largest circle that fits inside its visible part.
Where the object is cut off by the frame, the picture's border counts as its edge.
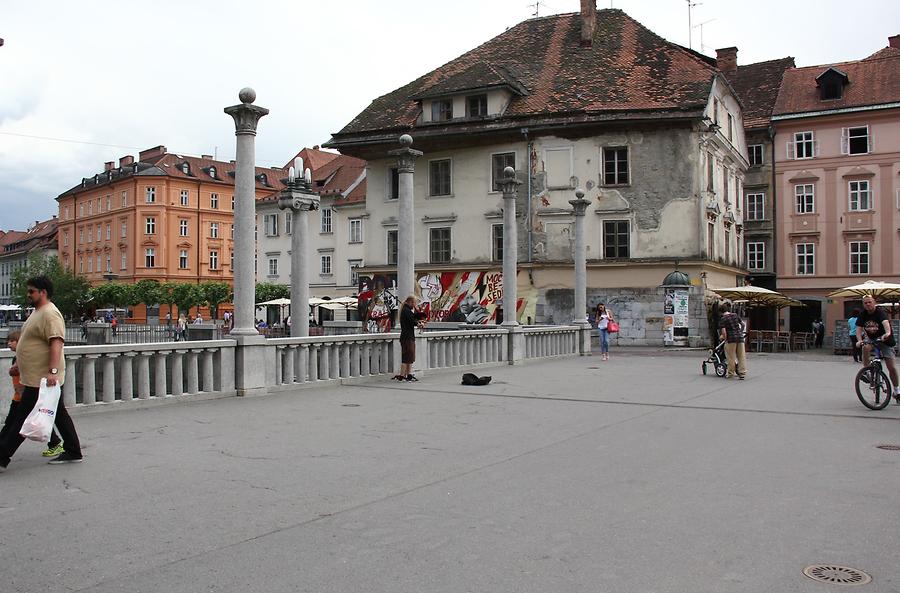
(509, 172)
(579, 193)
(247, 95)
(406, 140)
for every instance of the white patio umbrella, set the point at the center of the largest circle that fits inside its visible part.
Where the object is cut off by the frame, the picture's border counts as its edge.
(755, 295)
(879, 290)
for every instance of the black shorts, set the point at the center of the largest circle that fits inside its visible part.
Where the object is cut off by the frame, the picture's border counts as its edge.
(408, 351)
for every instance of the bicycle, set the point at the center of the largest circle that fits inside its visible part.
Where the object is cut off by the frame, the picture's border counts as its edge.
(873, 388)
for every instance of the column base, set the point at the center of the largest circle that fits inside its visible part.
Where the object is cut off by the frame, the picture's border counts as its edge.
(253, 364)
(584, 337)
(516, 343)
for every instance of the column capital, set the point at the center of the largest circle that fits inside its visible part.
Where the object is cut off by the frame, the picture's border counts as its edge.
(509, 185)
(406, 156)
(246, 115)
(579, 204)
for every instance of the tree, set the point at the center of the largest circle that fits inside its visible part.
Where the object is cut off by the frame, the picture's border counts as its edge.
(167, 295)
(147, 292)
(215, 293)
(70, 291)
(267, 291)
(186, 296)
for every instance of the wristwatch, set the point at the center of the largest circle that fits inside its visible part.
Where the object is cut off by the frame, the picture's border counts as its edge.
(54, 371)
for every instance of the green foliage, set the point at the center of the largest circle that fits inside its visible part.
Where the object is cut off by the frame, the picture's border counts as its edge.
(167, 293)
(266, 291)
(70, 291)
(146, 291)
(111, 294)
(186, 296)
(214, 294)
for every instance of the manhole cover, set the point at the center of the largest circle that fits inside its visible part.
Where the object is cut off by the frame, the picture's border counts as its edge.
(836, 575)
(888, 447)
(350, 405)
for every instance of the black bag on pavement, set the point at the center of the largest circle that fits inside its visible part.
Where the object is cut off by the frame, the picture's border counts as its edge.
(473, 379)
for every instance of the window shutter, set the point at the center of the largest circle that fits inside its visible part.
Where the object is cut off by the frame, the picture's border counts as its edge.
(790, 150)
(845, 140)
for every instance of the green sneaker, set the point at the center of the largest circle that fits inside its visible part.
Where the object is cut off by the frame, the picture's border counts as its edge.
(53, 451)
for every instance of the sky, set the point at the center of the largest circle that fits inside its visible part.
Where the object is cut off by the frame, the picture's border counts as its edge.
(90, 81)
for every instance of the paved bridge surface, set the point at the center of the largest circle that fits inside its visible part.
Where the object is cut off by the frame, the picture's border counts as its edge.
(566, 475)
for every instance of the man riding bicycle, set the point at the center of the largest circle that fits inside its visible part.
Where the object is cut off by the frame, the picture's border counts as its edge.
(873, 324)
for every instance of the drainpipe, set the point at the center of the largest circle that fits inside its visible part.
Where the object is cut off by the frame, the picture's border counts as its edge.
(774, 225)
(528, 147)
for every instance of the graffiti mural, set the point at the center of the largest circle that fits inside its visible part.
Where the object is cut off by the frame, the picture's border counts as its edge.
(377, 302)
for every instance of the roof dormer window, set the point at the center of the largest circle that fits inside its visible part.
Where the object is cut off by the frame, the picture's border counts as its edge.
(442, 110)
(185, 168)
(262, 179)
(476, 105)
(212, 172)
(831, 84)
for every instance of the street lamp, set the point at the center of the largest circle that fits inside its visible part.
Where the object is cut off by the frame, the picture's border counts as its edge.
(299, 198)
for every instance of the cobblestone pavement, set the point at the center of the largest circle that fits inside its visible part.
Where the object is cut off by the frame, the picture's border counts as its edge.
(570, 475)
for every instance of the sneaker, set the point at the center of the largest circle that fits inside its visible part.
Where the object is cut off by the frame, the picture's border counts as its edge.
(411, 378)
(53, 451)
(3, 464)
(66, 458)
(741, 377)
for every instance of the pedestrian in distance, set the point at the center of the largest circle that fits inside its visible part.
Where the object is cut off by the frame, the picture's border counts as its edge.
(40, 356)
(819, 332)
(409, 320)
(604, 317)
(731, 330)
(851, 327)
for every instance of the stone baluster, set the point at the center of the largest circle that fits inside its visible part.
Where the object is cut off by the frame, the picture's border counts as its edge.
(354, 359)
(143, 375)
(178, 372)
(313, 363)
(334, 368)
(365, 359)
(325, 361)
(287, 356)
(386, 362)
(109, 378)
(68, 388)
(89, 393)
(193, 372)
(226, 369)
(126, 383)
(206, 367)
(159, 374)
(301, 362)
(345, 360)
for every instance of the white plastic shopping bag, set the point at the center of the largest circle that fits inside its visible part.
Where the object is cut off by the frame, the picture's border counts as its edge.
(39, 424)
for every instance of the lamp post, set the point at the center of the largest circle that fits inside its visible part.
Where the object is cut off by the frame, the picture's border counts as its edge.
(509, 185)
(579, 205)
(299, 198)
(406, 256)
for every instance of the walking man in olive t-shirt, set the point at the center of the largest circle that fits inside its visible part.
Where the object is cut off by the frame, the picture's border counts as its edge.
(40, 356)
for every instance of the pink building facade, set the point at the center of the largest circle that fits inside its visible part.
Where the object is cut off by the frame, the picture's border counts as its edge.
(837, 174)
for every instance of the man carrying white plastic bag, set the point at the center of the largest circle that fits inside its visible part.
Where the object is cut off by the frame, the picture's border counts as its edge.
(40, 362)
(39, 424)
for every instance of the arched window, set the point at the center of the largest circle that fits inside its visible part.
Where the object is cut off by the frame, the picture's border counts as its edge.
(212, 172)
(185, 168)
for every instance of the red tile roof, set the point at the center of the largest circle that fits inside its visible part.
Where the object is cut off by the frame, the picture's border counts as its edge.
(42, 234)
(627, 68)
(872, 81)
(757, 85)
(313, 158)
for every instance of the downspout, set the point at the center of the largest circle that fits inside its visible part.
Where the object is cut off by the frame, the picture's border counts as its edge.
(528, 147)
(199, 235)
(774, 227)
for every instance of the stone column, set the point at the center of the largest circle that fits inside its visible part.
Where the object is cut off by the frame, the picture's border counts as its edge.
(299, 198)
(250, 354)
(406, 256)
(509, 185)
(579, 205)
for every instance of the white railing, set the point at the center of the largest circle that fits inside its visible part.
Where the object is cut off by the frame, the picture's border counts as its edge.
(544, 342)
(466, 348)
(328, 358)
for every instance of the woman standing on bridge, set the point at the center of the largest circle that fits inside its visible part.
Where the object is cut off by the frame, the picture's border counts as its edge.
(604, 318)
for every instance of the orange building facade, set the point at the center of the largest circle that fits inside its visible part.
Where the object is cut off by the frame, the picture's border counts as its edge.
(165, 217)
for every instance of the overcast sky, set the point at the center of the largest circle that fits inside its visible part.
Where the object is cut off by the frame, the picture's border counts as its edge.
(96, 80)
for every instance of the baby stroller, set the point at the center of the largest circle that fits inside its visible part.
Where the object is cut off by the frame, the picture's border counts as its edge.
(717, 359)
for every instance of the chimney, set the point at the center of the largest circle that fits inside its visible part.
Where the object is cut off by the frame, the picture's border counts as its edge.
(109, 165)
(894, 41)
(588, 21)
(206, 156)
(726, 59)
(151, 153)
(126, 160)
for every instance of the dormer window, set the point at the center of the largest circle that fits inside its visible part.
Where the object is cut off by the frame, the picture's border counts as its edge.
(831, 84)
(476, 106)
(185, 168)
(442, 110)
(134, 168)
(263, 179)
(212, 172)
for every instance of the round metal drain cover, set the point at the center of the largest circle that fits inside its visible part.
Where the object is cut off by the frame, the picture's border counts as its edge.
(888, 447)
(836, 575)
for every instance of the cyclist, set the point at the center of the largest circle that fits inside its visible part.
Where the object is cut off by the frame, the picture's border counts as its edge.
(874, 323)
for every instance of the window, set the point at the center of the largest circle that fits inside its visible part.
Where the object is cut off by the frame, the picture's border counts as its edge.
(214, 201)
(497, 242)
(123, 257)
(726, 184)
(325, 220)
(288, 221)
(860, 196)
(232, 202)
(392, 239)
(806, 198)
(98, 264)
(356, 230)
(66, 239)
(185, 198)
(711, 239)
(108, 203)
(439, 242)
(806, 259)
(124, 230)
(182, 228)
(354, 271)
(214, 260)
(615, 239)
(393, 181)
(150, 194)
(832, 89)
(124, 199)
(214, 230)
(81, 235)
(212, 172)
(855, 140)
(615, 166)
(90, 264)
(81, 265)
(756, 206)
(755, 153)
(149, 257)
(108, 231)
(476, 106)
(859, 257)
(730, 127)
(756, 256)
(232, 259)
(81, 210)
(90, 208)
(326, 265)
(99, 232)
(499, 162)
(232, 231)
(727, 246)
(150, 225)
(67, 213)
(185, 168)
(270, 223)
(439, 178)
(803, 146)
(442, 110)
(273, 266)
(108, 264)
(183, 259)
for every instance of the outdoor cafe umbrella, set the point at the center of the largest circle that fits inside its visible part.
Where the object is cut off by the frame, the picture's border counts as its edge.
(755, 295)
(876, 288)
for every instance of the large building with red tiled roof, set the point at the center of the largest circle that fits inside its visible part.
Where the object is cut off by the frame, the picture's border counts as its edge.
(164, 216)
(17, 246)
(837, 143)
(338, 230)
(651, 130)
